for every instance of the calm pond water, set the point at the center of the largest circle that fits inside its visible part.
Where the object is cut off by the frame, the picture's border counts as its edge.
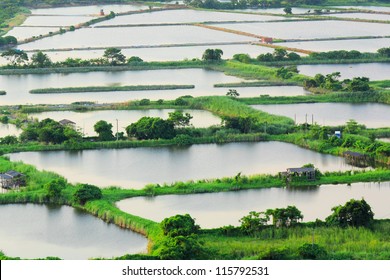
(362, 16)
(185, 16)
(55, 20)
(362, 45)
(294, 10)
(370, 114)
(160, 53)
(227, 208)
(136, 167)
(38, 231)
(135, 36)
(18, 86)
(374, 71)
(88, 10)
(86, 120)
(9, 129)
(372, 8)
(22, 33)
(311, 29)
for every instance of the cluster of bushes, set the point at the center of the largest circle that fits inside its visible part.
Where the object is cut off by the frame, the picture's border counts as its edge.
(49, 131)
(350, 139)
(181, 240)
(8, 41)
(111, 56)
(279, 54)
(242, 4)
(336, 55)
(332, 82)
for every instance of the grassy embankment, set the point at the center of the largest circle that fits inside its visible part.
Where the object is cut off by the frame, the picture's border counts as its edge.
(109, 88)
(106, 210)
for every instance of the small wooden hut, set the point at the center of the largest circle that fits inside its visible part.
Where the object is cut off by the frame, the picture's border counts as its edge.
(12, 179)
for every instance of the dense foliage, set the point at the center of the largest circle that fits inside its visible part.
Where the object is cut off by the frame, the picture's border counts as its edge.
(86, 192)
(242, 4)
(354, 213)
(49, 131)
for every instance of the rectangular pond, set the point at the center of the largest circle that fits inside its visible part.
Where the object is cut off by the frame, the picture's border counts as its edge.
(185, 16)
(373, 71)
(18, 86)
(38, 231)
(136, 167)
(372, 115)
(86, 120)
(362, 16)
(213, 210)
(311, 29)
(134, 36)
(361, 45)
(55, 20)
(22, 33)
(160, 53)
(88, 10)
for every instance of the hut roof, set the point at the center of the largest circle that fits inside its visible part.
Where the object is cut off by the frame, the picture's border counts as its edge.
(13, 174)
(353, 154)
(66, 122)
(301, 169)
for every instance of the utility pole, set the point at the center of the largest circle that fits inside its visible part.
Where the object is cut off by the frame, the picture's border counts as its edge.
(117, 134)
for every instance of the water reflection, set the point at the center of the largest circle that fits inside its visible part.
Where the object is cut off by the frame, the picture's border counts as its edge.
(38, 231)
(220, 209)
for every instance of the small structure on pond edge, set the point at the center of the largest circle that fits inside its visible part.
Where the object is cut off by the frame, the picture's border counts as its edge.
(12, 179)
(267, 40)
(357, 159)
(308, 172)
(66, 122)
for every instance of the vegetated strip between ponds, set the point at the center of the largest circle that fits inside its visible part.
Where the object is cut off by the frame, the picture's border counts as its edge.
(109, 88)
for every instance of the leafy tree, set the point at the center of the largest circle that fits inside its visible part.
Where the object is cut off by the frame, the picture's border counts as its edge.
(151, 128)
(212, 55)
(279, 54)
(86, 192)
(353, 127)
(243, 124)
(183, 248)
(179, 119)
(286, 72)
(265, 57)
(114, 56)
(285, 217)
(40, 60)
(287, 10)
(244, 58)
(144, 102)
(8, 140)
(104, 130)
(293, 56)
(15, 56)
(384, 52)
(232, 93)
(355, 213)
(254, 222)
(179, 225)
(359, 84)
(8, 40)
(134, 59)
(54, 188)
